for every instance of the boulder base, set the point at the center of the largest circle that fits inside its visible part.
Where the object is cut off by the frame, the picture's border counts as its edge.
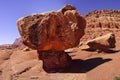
(55, 61)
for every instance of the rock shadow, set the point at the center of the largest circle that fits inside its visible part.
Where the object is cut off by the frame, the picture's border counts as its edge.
(107, 51)
(112, 51)
(83, 66)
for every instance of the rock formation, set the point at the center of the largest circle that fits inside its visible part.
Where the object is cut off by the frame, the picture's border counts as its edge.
(103, 43)
(17, 43)
(55, 61)
(5, 46)
(22, 64)
(104, 19)
(101, 22)
(56, 30)
(51, 33)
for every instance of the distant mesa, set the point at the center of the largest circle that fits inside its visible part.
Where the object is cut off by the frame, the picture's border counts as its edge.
(17, 43)
(5, 46)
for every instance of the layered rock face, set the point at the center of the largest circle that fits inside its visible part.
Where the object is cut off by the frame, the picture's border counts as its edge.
(103, 19)
(51, 33)
(101, 22)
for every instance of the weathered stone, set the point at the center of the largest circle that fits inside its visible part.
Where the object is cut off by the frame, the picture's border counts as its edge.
(17, 43)
(55, 61)
(51, 33)
(58, 30)
(27, 49)
(103, 43)
(101, 22)
(54, 76)
(21, 61)
(5, 55)
(103, 19)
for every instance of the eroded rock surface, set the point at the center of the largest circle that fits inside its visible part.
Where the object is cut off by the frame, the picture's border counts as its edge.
(58, 30)
(101, 22)
(103, 19)
(103, 43)
(55, 61)
(17, 43)
(51, 33)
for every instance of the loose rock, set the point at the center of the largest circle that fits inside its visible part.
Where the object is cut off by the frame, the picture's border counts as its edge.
(103, 43)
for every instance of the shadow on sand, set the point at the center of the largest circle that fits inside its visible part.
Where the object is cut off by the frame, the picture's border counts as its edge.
(83, 66)
(112, 51)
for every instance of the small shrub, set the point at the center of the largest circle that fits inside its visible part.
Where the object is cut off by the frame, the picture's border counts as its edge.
(117, 78)
(0, 71)
(11, 77)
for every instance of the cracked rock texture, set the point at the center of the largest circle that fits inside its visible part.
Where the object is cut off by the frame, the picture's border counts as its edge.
(57, 30)
(103, 43)
(51, 33)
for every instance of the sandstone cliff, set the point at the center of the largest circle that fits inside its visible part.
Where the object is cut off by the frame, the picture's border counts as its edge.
(100, 22)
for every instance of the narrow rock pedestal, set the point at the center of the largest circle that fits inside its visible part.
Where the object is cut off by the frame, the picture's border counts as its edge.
(55, 61)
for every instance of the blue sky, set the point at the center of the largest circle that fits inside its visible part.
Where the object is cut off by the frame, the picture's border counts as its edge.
(11, 10)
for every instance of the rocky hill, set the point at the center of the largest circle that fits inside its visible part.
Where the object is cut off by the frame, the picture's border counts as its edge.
(16, 44)
(5, 46)
(100, 22)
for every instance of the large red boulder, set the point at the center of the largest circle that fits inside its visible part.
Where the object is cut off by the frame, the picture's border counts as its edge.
(51, 33)
(57, 30)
